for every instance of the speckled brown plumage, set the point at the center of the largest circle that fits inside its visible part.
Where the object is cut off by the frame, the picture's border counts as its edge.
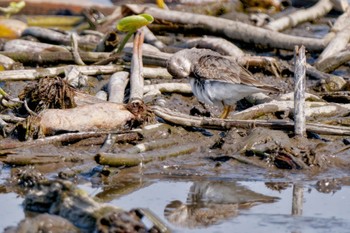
(214, 78)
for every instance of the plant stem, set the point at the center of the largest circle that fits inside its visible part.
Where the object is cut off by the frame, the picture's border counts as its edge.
(126, 38)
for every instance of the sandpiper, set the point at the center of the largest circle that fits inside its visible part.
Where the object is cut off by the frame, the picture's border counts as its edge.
(214, 78)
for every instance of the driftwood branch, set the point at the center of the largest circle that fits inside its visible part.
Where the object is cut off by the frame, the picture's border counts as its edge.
(222, 124)
(333, 62)
(116, 87)
(233, 29)
(68, 137)
(338, 44)
(319, 9)
(32, 74)
(217, 44)
(54, 56)
(339, 37)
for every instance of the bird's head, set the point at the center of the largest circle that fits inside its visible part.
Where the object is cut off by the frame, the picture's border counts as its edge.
(179, 65)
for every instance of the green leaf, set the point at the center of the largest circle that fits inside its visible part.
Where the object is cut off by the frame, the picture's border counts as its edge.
(134, 22)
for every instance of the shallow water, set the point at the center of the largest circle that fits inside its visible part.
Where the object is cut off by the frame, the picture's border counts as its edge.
(11, 210)
(236, 201)
(321, 212)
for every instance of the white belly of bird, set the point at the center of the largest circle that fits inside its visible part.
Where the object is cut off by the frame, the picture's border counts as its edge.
(216, 93)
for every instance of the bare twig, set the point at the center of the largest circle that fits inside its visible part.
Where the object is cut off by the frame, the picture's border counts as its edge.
(184, 88)
(156, 73)
(11, 119)
(217, 123)
(333, 62)
(32, 74)
(319, 9)
(47, 56)
(150, 38)
(68, 137)
(31, 112)
(217, 44)
(339, 42)
(75, 50)
(299, 91)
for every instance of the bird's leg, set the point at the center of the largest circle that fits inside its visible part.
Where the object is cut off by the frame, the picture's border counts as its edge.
(227, 110)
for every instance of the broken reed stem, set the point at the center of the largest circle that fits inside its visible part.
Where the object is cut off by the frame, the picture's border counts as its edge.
(299, 91)
(136, 76)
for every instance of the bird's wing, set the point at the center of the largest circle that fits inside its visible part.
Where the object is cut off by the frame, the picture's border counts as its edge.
(218, 68)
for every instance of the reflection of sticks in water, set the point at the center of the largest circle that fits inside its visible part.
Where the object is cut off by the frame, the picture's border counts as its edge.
(297, 202)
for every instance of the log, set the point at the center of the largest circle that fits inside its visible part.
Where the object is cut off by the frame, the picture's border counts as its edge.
(233, 29)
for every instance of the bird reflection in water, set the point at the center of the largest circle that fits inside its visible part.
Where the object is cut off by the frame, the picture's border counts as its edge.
(211, 202)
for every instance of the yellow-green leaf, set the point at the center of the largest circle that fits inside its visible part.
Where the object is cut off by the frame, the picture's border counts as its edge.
(133, 22)
(13, 8)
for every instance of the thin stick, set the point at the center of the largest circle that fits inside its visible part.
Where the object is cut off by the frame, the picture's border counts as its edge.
(299, 91)
(75, 49)
(321, 8)
(216, 123)
(32, 74)
(68, 137)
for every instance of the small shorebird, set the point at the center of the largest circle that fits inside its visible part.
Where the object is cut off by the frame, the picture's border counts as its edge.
(215, 79)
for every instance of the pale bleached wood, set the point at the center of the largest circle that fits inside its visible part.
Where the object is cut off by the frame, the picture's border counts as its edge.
(116, 87)
(233, 29)
(33, 74)
(136, 72)
(300, 16)
(299, 91)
